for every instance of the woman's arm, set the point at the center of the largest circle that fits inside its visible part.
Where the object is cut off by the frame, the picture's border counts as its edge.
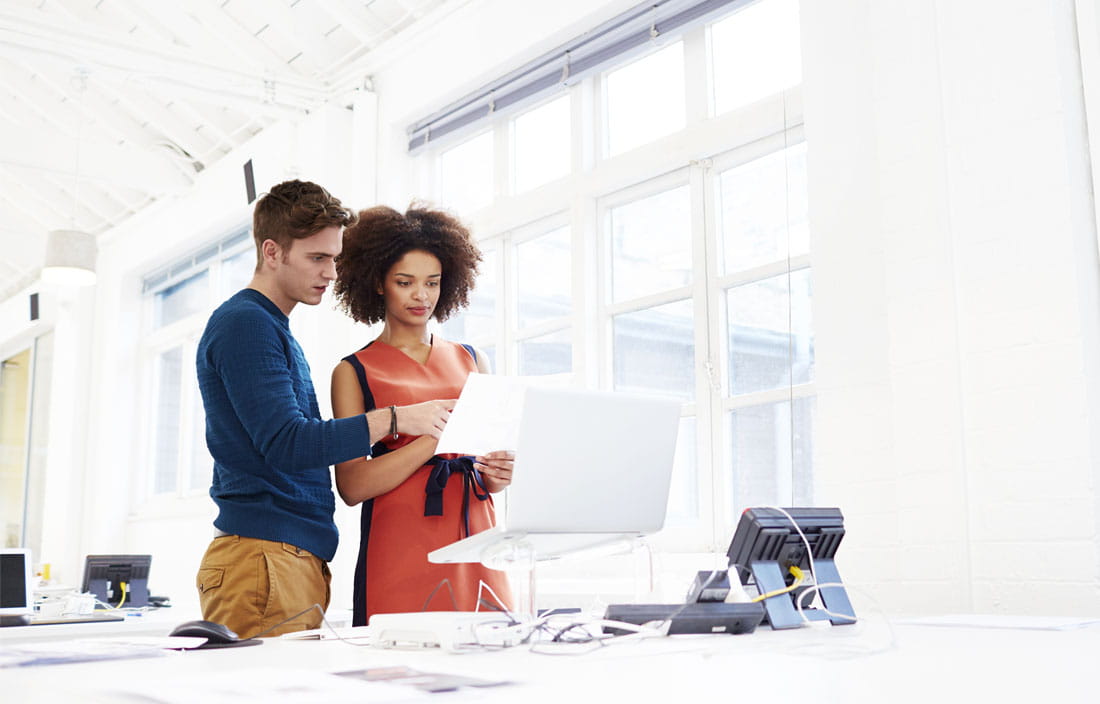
(360, 479)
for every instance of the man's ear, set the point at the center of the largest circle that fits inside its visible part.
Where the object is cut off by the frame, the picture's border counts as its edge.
(271, 252)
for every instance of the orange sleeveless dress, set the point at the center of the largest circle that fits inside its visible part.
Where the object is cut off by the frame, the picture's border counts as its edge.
(437, 505)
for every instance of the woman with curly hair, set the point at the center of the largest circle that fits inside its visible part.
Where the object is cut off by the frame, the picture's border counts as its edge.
(403, 270)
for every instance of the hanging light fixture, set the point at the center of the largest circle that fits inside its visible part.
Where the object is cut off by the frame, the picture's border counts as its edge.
(71, 254)
(70, 258)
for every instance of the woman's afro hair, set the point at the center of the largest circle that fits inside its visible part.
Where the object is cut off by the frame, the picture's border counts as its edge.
(381, 236)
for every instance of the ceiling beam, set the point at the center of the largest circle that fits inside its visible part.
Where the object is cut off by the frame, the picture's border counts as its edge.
(41, 150)
(107, 53)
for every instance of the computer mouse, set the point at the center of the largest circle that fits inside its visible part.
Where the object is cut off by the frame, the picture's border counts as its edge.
(214, 633)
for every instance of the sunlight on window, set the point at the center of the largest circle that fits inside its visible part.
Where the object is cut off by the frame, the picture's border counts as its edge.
(237, 271)
(546, 354)
(202, 464)
(166, 454)
(654, 351)
(541, 145)
(772, 462)
(543, 277)
(645, 99)
(466, 175)
(770, 334)
(181, 300)
(651, 244)
(756, 53)
(762, 210)
(478, 321)
(683, 493)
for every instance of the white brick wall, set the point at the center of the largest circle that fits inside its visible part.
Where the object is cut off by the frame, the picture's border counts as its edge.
(948, 212)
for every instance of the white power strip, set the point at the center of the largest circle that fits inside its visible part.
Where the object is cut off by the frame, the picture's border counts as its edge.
(446, 630)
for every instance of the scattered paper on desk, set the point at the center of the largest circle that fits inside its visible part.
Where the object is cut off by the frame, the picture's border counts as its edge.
(70, 651)
(424, 681)
(486, 416)
(283, 685)
(1030, 623)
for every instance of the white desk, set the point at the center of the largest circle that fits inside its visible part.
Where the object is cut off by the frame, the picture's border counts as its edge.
(820, 664)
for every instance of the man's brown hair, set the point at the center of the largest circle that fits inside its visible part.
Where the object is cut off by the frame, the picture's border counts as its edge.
(294, 210)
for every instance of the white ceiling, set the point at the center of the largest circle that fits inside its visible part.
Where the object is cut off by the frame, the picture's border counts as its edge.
(106, 105)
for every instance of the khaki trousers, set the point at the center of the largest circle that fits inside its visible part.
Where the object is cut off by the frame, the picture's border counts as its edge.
(250, 585)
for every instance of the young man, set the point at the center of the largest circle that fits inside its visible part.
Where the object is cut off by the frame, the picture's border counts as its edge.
(275, 532)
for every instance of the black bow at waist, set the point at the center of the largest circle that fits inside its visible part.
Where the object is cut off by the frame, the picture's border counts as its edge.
(442, 469)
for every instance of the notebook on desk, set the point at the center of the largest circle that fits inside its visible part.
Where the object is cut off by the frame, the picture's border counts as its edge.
(591, 468)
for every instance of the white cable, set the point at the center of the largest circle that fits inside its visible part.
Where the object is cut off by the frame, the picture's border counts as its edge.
(503, 607)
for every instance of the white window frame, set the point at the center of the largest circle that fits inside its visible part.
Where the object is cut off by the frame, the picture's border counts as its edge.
(708, 145)
(185, 332)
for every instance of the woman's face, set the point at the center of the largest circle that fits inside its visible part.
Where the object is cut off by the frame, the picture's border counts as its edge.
(411, 287)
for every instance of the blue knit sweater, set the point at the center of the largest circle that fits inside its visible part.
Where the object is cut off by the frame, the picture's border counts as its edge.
(270, 447)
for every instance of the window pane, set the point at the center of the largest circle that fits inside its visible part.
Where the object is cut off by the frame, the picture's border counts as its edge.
(683, 496)
(491, 352)
(772, 466)
(770, 333)
(651, 244)
(15, 409)
(202, 464)
(237, 271)
(478, 321)
(546, 354)
(466, 175)
(541, 144)
(181, 300)
(544, 278)
(167, 409)
(645, 99)
(756, 53)
(654, 351)
(762, 207)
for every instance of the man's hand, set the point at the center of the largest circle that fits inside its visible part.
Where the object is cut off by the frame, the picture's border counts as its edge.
(496, 469)
(426, 418)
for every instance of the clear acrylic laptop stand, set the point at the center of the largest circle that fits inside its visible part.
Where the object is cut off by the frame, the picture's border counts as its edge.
(518, 559)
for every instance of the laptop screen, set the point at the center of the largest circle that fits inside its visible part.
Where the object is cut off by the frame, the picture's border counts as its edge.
(592, 462)
(15, 593)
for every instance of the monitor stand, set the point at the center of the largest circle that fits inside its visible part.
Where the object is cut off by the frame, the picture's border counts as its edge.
(519, 560)
(780, 610)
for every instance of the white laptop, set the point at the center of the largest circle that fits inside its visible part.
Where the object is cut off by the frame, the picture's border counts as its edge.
(592, 467)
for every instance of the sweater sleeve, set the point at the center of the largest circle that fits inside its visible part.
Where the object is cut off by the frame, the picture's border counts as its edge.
(252, 361)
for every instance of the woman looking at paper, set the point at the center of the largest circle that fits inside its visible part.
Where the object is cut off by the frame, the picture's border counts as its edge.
(403, 270)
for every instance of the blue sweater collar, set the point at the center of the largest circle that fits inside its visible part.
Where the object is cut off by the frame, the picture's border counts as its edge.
(268, 305)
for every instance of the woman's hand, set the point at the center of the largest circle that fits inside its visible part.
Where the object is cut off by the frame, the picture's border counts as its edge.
(496, 469)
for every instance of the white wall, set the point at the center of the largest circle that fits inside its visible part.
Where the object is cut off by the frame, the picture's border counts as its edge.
(955, 266)
(955, 274)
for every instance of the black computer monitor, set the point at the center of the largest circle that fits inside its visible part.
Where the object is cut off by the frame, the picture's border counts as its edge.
(104, 576)
(767, 543)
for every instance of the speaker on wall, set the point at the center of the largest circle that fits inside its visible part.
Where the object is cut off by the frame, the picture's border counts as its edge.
(34, 306)
(249, 182)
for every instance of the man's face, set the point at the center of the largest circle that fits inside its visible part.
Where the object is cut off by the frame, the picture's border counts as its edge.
(305, 270)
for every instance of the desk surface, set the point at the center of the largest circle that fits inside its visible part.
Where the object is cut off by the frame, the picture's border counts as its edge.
(870, 661)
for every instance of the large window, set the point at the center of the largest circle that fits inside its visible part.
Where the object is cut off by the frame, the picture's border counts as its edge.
(646, 230)
(178, 301)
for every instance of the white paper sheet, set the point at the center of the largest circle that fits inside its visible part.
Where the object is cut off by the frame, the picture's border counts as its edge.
(486, 416)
